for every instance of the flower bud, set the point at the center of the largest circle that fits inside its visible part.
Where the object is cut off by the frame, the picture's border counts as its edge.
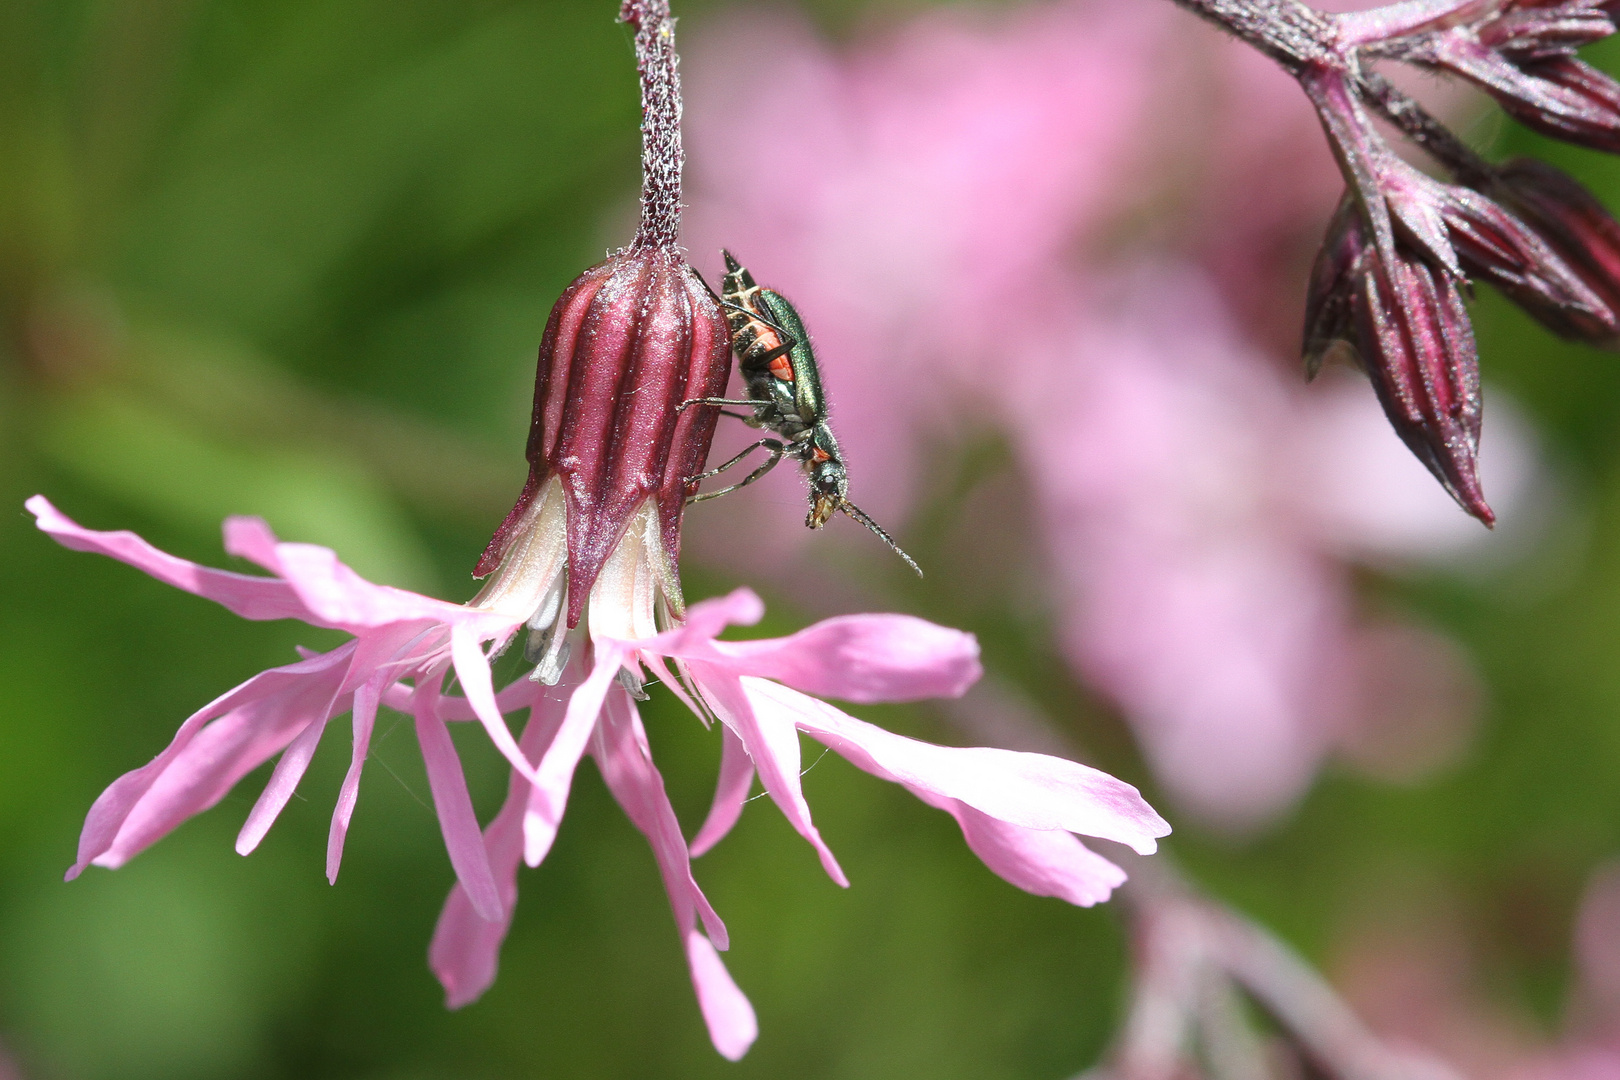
(1556, 95)
(1418, 348)
(1330, 320)
(626, 343)
(1496, 246)
(1578, 227)
(1575, 101)
(1538, 31)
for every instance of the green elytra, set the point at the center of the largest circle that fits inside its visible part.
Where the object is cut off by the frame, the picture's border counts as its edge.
(783, 383)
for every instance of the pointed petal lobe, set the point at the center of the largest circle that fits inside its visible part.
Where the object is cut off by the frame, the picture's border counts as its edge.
(243, 594)
(457, 821)
(1034, 791)
(465, 953)
(555, 776)
(773, 743)
(730, 1018)
(1042, 862)
(215, 747)
(730, 792)
(621, 752)
(365, 719)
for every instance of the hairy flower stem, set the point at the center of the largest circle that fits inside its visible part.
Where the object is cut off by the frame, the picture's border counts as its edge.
(1298, 37)
(1292, 34)
(661, 153)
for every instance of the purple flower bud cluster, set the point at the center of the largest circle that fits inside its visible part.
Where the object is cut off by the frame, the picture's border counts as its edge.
(1390, 281)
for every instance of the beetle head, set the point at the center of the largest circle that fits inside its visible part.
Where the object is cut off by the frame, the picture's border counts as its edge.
(829, 490)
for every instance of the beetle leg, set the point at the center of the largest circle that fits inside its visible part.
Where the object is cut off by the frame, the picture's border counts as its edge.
(775, 448)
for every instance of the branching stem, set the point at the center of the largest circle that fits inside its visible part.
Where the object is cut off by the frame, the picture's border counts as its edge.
(1291, 33)
(1298, 37)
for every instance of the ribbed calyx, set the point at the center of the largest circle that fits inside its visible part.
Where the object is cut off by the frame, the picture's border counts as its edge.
(1405, 324)
(626, 343)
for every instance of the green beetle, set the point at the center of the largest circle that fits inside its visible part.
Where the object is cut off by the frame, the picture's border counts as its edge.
(784, 390)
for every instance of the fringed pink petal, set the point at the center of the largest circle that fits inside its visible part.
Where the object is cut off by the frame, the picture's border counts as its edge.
(865, 658)
(773, 743)
(704, 620)
(283, 782)
(549, 796)
(730, 792)
(620, 748)
(335, 595)
(466, 948)
(726, 1011)
(1034, 791)
(457, 821)
(365, 719)
(1043, 862)
(245, 595)
(396, 651)
(215, 747)
(472, 668)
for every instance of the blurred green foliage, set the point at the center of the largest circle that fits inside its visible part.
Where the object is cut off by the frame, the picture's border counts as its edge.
(292, 258)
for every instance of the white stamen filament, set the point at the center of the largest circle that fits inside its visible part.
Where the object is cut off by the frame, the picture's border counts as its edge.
(547, 647)
(632, 597)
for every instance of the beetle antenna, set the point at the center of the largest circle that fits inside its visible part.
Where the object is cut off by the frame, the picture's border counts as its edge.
(860, 515)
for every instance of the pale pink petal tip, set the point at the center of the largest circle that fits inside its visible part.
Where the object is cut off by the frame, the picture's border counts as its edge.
(250, 538)
(249, 596)
(1030, 791)
(732, 1024)
(466, 949)
(1043, 862)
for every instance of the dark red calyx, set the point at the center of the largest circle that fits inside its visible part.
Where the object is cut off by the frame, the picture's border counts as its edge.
(627, 342)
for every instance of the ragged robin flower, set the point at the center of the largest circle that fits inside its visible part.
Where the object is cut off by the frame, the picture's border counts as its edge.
(587, 563)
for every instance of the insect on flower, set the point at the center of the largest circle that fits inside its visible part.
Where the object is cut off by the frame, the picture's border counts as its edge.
(784, 390)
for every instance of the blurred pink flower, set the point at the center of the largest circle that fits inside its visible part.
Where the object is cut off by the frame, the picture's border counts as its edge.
(1192, 590)
(1590, 1049)
(1017, 811)
(967, 220)
(1416, 977)
(931, 176)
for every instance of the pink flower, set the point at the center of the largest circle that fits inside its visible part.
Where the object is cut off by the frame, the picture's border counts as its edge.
(1018, 811)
